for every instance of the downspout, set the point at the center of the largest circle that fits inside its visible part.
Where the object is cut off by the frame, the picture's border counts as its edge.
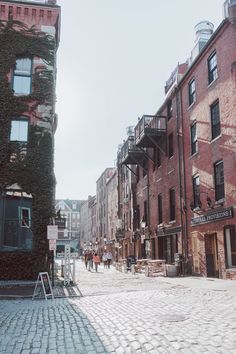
(181, 175)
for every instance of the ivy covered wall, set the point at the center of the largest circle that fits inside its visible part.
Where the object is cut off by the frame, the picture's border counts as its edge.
(33, 170)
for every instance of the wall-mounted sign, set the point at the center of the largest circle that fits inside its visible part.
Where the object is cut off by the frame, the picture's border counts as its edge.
(217, 215)
(52, 232)
(52, 245)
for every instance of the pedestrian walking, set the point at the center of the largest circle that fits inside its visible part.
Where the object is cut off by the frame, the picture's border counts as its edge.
(104, 259)
(96, 261)
(86, 259)
(109, 259)
(90, 261)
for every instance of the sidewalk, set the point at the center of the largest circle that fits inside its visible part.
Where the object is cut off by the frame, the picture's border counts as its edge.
(108, 281)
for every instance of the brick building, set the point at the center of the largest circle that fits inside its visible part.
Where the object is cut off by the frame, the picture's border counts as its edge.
(207, 95)
(182, 159)
(29, 36)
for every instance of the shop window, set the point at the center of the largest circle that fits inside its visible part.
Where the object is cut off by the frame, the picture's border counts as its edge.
(22, 76)
(191, 92)
(230, 246)
(194, 142)
(212, 68)
(219, 180)
(215, 120)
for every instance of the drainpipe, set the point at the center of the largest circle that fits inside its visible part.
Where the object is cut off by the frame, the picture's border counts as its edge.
(181, 175)
(148, 200)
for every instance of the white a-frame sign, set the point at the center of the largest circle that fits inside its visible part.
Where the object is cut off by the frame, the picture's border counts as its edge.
(44, 281)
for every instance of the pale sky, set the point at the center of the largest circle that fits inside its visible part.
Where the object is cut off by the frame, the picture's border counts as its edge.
(113, 61)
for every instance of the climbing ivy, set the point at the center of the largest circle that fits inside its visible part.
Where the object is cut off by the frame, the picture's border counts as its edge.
(29, 165)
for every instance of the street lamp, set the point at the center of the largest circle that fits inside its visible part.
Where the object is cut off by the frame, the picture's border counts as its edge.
(143, 224)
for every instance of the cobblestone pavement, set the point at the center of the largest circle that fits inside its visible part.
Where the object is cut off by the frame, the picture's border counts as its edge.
(125, 313)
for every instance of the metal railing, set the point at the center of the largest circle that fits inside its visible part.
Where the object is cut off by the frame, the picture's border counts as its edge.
(152, 122)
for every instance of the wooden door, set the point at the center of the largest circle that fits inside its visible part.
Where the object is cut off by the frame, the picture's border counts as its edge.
(211, 255)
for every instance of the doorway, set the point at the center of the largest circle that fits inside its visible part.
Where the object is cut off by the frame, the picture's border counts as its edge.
(211, 252)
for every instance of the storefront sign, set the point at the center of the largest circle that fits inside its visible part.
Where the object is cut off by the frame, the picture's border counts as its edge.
(219, 215)
(168, 231)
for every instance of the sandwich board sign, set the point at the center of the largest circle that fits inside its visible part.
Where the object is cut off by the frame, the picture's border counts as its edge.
(44, 281)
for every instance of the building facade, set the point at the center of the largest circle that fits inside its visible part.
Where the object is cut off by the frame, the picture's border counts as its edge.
(28, 123)
(102, 207)
(69, 225)
(181, 160)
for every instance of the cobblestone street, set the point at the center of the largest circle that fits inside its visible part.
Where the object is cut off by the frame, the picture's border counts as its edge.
(125, 313)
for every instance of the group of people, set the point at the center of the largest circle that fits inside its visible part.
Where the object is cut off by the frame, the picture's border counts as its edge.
(91, 259)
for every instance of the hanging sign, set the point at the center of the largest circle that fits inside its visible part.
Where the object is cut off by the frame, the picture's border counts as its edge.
(43, 281)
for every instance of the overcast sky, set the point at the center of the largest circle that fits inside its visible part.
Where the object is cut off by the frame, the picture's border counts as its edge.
(113, 61)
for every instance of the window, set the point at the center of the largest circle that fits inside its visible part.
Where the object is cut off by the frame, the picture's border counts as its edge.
(196, 192)
(219, 180)
(22, 76)
(156, 158)
(169, 109)
(24, 217)
(145, 167)
(160, 212)
(215, 120)
(172, 203)
(212, 68)
(194, 142)
(145, 208)
(170, 145)
(191, 92)
(19, 130)
(230, 246)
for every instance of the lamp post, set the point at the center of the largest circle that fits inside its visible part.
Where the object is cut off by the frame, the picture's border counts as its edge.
(105, 240)
(143, 225)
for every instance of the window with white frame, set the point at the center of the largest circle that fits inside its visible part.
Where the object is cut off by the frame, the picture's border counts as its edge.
(219, 180)
(19, 130)
(24, 217)
(215, 119)
(212, 68)
(191, 92)
(194, 142)
(22, 76)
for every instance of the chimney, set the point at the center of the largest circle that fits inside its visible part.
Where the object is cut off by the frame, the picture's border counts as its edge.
(130, 130)
(204, 31)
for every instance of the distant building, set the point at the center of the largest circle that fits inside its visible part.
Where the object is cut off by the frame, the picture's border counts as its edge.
(70, 211)
(102, 206)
